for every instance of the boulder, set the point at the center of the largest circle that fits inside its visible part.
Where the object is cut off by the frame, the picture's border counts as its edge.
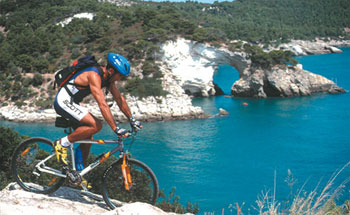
(283, 81)
(66, 200)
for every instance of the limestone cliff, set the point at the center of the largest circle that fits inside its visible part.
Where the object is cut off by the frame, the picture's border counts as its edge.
(194, 64)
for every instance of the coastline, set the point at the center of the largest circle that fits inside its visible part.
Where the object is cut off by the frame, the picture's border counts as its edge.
(143, 110)
(177, 105)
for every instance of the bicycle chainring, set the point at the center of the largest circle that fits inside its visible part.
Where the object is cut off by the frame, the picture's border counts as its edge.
(73, 176)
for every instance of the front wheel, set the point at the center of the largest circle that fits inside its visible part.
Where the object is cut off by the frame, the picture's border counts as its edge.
(28, 160)
(144, 184)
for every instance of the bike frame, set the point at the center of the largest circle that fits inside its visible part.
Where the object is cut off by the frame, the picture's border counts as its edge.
(100, 159)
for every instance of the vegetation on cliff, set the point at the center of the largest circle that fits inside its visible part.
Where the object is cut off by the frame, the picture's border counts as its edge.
(32, 43)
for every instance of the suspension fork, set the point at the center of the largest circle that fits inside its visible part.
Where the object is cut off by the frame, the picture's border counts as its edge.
(126, 172)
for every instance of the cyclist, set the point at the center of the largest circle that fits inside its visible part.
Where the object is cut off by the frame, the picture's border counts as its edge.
(91, 81)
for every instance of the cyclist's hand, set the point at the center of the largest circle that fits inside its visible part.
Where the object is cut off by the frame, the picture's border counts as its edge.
(135, 124)
(121, 132)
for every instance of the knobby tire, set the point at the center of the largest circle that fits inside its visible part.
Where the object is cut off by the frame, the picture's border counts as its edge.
(145, 185)
(24, 159)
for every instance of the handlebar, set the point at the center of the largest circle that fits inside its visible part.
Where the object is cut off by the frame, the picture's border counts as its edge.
(132, 134)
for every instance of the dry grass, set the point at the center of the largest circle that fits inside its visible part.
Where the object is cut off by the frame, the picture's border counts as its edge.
(306, 203)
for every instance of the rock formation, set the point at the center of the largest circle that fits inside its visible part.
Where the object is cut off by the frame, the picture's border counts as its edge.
(302, 47)
(66, 200)
(282, 81)
(194, 64)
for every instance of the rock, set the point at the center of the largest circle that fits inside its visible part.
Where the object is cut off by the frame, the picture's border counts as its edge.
(302, 47)
(193, 64)
(137, 208)
(283, 81)
(66, 200)
(218, 90)
(223, 112)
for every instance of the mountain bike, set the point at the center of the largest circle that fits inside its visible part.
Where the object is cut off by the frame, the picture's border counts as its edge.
(35, 167)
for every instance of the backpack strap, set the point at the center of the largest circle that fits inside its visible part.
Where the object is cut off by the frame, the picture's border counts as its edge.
(99, 70)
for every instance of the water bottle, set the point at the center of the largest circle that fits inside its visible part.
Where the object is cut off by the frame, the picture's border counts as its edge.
(78, 159)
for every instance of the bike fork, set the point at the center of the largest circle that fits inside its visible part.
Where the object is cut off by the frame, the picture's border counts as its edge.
(126, 174)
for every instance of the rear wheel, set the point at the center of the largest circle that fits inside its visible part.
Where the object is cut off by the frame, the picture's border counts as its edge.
(144, 184)
(25, 169)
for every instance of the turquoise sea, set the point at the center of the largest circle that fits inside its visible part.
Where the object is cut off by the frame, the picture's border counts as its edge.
(226, 160)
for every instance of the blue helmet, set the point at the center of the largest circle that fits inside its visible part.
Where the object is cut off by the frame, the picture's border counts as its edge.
(118, 63)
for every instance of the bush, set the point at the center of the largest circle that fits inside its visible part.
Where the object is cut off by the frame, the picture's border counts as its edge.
(207, 34)
(144, 87)
(9, 140)
(172, 204)
(44, 103)
(265, 60)
(149, 67)
(37, 79)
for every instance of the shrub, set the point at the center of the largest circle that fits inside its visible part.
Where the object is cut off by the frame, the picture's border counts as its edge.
(265, 60)
(207, 34)
(44, 103)
(144, 87)
(37, 79)
(9, 140)
(149, 67)
(172, 204)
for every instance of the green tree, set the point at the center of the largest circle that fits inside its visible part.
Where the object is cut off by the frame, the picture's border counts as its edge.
(9, 140)
(26, 62)
(207, 34)
(56, 48)
(37, 79)
(6, 51)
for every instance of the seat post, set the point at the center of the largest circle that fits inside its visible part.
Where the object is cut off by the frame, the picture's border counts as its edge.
(73, 155)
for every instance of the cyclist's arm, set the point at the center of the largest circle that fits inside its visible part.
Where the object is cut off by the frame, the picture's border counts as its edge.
(119, 98)
(96, 91)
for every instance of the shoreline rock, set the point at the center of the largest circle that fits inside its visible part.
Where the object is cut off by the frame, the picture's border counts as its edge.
(319, 46)
(282, 81)
(150, 109)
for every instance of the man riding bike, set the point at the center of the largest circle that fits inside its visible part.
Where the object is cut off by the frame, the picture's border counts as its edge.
(91, 81)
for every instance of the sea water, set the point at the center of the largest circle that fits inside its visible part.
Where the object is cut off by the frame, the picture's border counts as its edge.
(227, 160)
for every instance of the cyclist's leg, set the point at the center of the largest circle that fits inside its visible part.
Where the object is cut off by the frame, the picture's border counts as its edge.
(90, 125)
(85, 150)
(87, 123)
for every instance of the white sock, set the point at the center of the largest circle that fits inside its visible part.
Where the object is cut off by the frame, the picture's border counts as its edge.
(65, 142)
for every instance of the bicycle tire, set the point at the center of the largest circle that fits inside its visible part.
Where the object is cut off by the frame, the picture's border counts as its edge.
(23, 166)
(144, 184)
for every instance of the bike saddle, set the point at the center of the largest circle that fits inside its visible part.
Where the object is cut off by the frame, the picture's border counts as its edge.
(65, 123)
